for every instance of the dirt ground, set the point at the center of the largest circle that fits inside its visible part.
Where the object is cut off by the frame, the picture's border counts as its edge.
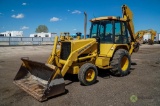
(140, 88)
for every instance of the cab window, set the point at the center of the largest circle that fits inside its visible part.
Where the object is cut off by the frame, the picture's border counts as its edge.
(121, 33)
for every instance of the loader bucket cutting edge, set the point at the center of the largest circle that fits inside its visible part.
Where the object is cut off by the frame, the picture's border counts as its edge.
(36, 79)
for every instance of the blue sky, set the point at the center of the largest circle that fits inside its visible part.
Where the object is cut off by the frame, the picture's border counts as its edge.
(67, 15)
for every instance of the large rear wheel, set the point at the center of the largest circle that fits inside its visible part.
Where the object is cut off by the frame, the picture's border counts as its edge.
(88, 74)
(121, 63)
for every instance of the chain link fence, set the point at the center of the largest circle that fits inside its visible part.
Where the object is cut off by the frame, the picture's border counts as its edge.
(10, 41)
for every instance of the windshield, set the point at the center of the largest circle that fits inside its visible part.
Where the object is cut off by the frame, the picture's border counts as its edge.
(94, 29)
(110, 31)
(103, 30)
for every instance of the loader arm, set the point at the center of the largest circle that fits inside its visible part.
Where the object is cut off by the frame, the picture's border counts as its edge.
(52, 56)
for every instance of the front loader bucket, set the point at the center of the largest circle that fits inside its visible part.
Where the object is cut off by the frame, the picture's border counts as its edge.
(37, 79)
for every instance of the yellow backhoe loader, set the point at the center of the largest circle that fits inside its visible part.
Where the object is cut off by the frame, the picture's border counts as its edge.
(111, 43)
(150, 39)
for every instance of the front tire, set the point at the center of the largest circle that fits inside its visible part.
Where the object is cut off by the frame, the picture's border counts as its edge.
(87, 74)
(121, 63)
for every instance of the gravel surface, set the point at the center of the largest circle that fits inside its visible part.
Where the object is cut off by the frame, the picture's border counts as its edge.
(140, 88)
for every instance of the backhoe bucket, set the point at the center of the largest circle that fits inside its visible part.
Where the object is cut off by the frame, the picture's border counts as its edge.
(37, 79)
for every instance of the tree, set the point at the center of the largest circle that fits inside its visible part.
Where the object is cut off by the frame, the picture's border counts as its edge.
(42, 28)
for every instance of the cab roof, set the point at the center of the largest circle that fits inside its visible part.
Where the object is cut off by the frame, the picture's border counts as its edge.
(107, 18)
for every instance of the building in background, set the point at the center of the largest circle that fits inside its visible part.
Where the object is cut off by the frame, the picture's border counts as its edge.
(12, 34)
(43, 34)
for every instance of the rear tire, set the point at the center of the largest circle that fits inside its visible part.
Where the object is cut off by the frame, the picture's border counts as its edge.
(121, 63)
(87, 74)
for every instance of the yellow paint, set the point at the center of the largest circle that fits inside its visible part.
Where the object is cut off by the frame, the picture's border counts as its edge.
(62, 61)
(102, 61)
(51, 58)
(104, 49)
(124, 63)
(90, 75)
(75, 70)
(76, 44)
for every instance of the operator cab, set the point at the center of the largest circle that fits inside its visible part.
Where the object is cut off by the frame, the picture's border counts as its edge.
(109, 30)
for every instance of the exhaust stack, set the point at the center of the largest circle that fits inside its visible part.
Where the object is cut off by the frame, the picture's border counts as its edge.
(85, 24)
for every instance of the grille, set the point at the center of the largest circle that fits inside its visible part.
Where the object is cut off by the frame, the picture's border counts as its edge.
(65, 50)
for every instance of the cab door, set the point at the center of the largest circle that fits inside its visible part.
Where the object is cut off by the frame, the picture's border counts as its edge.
(121, 33)
(106, 35)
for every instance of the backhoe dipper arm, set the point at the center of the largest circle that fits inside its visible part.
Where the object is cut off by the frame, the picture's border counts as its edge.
(153, 32)
(128, 15)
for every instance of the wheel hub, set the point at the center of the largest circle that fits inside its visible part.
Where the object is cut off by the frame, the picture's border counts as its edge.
(90, 74)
